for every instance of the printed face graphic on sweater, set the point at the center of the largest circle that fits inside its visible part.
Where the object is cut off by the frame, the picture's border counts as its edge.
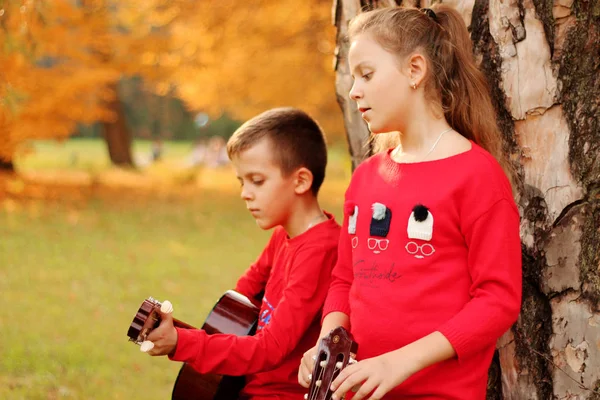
(420, 228)
(381, 219)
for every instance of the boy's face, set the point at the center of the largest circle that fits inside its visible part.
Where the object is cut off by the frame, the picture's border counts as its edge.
(268, 194)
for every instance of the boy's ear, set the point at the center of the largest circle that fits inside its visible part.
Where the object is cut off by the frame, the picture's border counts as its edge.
(303, 181)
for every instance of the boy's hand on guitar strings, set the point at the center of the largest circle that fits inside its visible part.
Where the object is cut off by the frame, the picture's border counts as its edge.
(163, 338)
(375, 376)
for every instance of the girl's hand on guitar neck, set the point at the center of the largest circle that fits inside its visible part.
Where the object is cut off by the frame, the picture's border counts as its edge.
(378, 375)
(331, 321)
(375, 376)
(165, 336)
(306, 367)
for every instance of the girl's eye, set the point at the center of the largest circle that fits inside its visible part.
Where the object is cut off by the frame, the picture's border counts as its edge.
(258, 182)
(366, 77)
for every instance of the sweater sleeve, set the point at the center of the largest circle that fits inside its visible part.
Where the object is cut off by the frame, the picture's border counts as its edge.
(254, 280)
(300, 304)
(494, 263)
(342, 275)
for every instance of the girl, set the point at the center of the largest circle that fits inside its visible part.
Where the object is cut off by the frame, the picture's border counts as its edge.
(429, 268)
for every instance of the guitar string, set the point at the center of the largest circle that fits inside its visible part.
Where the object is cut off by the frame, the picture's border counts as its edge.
(315, 390)
(321, 372)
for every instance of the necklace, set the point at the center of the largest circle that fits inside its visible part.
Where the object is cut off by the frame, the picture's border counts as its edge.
(315, 220)
(436, 142)
(397, 149)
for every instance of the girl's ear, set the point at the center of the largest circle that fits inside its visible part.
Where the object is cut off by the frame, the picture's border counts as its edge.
(303, 181)
(417, 65)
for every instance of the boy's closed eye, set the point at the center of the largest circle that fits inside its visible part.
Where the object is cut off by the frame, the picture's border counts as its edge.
(254, 181)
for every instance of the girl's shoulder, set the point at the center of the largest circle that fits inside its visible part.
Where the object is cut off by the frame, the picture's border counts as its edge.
(371, 165)
(484, 170)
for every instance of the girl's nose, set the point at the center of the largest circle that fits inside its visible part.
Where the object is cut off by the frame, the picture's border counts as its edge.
(355, 93)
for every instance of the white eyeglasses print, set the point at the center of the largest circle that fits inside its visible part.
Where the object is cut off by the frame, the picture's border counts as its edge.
(354, 242)
(425, 249)
(381, 244)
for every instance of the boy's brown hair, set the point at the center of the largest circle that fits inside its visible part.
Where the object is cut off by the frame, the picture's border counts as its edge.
(295, 138)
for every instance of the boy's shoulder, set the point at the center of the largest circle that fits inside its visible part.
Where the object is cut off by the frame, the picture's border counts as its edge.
(324, 235)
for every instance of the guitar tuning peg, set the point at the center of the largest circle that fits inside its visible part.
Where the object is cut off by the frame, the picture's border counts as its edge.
(166, 307)
(352, 361)
(318, 383)
(305, 396)
(338, 365)
(323, 364)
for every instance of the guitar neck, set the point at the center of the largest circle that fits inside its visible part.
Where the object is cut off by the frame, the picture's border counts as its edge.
(181, 324)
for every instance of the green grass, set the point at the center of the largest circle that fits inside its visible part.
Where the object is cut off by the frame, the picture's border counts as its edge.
(73, 273)
(88, 154)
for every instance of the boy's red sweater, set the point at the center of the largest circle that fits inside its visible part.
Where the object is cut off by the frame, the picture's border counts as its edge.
(295, 275)
(459, 273)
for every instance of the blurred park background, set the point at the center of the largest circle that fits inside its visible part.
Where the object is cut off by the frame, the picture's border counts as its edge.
(113, 181)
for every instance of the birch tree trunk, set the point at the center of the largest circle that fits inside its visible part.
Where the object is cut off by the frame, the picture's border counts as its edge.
(542, 59)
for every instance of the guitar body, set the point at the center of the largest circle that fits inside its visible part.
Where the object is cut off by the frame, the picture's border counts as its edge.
(233, 314)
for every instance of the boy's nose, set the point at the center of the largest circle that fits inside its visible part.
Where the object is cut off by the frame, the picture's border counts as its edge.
(246, 194)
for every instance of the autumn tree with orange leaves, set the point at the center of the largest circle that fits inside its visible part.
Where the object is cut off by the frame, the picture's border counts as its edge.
(61, 62)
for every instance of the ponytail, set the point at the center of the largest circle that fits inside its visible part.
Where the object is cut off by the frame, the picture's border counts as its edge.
(465, 93)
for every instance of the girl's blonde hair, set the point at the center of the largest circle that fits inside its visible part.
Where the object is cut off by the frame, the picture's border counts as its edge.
(454, 82)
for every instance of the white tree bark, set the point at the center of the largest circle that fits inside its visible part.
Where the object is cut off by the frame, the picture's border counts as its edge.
(542, 59)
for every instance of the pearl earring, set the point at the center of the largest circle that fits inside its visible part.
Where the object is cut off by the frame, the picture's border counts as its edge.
(413, 85)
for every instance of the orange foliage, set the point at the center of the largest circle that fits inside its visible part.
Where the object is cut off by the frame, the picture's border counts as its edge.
(44, 90)
(247, 56)
(59, 56)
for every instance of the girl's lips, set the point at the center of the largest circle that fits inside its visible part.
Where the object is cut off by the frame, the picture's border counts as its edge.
(363, 110)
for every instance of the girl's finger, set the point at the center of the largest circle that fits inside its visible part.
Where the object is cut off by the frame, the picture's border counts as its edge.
(355, 378)
(303, 376)
(380, 392)
(344, 374)
(366, 388)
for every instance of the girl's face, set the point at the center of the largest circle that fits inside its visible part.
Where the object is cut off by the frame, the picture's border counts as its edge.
(381, 86)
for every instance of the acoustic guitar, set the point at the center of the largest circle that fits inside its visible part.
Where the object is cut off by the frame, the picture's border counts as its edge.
(233, 314)
(335, 352)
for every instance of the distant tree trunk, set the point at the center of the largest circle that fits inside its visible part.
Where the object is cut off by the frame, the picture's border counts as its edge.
(6, 166)
(116, 134)
(115, 131)
(542, 59)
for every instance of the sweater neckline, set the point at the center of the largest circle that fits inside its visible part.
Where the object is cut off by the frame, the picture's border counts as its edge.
(312, 230)
(388, 158)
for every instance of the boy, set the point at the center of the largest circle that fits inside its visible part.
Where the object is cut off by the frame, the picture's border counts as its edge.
(279, 157)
